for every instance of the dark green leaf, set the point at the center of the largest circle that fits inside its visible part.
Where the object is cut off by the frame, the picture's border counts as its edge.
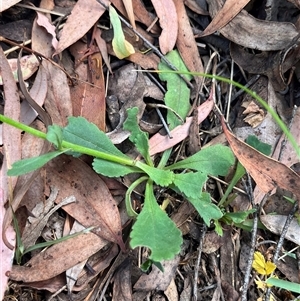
(207, 210)
(178, 94)
(260, 146)
(27, 165)
(137, 136)
(214, 160)
(155, 230)
(112, 169)
(159, 176)
(81, 132)
(190, 184)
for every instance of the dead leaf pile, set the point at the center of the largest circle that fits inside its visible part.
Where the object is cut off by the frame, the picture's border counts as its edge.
(71, 67)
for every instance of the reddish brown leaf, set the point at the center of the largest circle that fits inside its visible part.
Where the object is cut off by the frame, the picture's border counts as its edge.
(88, 96)
(94, 205)
(159, 143)
(266, 172)
(166, 12)
(84, 15)
(186, 43)
(58, 101)
(58, 258)
(11, 136)
(230, 9)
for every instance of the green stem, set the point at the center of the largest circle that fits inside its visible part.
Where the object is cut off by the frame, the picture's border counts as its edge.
(130, 211)
(254, 95)
(68, 145)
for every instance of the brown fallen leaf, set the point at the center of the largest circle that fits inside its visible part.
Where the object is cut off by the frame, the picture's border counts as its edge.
(94, 205)
(229, 10)
(140, 12)
(44, 22)
(275, 224)
(88, 96)
(159, 143)
(186, 42)
(10, 135)
(38, 92)
(266, 63)
(58, 101)
(266, 172)
(250, 32)
(122, 289)
(58, 258)
(166, 12)
(83, 16)
(158, 280)
(29, 65)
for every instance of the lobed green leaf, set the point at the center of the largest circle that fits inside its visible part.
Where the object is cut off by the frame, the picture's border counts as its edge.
(159, 176)
(137, 136)
(190, 184)
(81, 132)
(214, 160)
(178, 94)
(155, 230)
(206, 209)
(112, 169)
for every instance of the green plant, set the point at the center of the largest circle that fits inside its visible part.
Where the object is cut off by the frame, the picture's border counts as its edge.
(152, 228)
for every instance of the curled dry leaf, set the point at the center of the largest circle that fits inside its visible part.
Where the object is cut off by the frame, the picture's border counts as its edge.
(250, 32)
(44, 22)
(229, 10)
(266, 63)
(166, 12)
(266, 172)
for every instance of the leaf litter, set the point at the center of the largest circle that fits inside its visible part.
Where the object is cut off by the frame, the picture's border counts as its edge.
(82, 76)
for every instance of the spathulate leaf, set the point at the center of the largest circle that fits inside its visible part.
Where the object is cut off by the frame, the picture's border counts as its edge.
(137, 136)
(206, 209)
(159, 176)
(112, 169)
(178, 94)
(155, 230)
(214, 160)
(27, 165)
(190, 184)
(121, 47)
(81, 132)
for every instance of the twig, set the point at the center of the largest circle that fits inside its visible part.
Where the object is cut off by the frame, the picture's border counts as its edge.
(253, 239)
(196, 271)
(280, 242)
